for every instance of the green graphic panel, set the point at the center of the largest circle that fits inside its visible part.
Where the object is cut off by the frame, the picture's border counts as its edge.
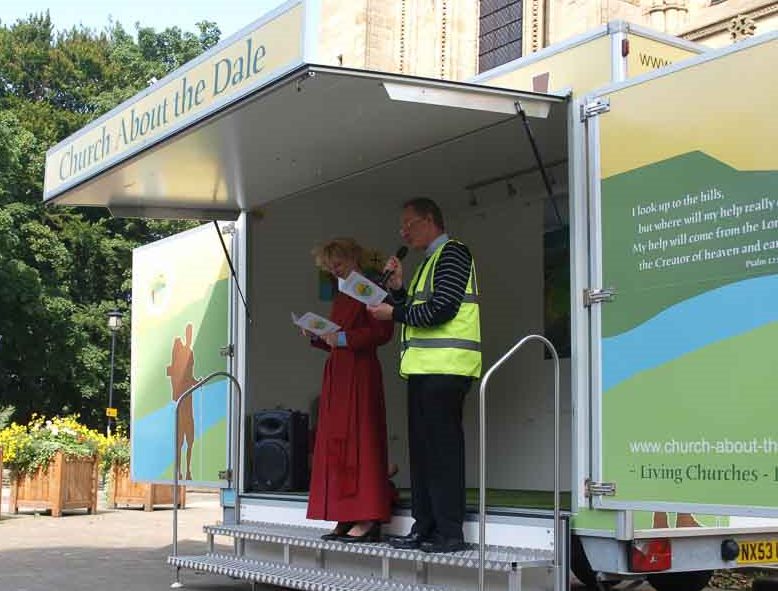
(693, 431)
(690, 223)
(688, 366)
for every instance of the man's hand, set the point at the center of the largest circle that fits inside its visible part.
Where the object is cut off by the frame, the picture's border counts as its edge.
(381, 311)
(395, 280)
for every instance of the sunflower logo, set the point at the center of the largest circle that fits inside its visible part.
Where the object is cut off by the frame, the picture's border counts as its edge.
(363, 289)
(158, 294)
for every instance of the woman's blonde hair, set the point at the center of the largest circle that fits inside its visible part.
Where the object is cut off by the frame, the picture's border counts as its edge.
(346, 248)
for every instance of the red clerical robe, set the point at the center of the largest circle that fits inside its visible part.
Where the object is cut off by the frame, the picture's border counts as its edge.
(349, 481)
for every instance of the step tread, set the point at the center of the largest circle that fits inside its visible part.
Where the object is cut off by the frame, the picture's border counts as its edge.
(293, 577)
(498, 558)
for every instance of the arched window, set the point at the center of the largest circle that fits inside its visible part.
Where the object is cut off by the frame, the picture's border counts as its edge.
(499, 32)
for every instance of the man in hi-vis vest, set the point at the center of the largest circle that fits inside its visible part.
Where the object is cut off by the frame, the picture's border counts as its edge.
(440, 358)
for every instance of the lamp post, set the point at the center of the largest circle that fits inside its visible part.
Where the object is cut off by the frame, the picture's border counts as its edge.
(114, 324)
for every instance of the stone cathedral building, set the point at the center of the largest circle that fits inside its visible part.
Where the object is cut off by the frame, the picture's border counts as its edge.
(456, 39)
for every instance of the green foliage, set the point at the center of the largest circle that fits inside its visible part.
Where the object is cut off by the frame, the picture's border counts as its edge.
(6, 413)
(117, 451)
(62, 269)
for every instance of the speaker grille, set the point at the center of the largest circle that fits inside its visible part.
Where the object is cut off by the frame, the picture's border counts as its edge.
(273, 425)
(280, 450)
(271, 464)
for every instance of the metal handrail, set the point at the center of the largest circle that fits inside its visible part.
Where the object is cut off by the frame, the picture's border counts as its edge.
(482, 463)
(233, 467)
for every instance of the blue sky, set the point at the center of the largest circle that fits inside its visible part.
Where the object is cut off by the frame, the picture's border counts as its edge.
(230, 15)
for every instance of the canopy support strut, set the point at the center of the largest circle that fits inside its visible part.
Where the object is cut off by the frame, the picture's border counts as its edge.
(232, 270)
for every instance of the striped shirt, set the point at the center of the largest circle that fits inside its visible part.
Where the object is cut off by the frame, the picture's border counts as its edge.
(450, 281)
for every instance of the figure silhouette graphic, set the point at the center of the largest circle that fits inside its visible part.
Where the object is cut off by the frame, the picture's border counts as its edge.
(181, 373)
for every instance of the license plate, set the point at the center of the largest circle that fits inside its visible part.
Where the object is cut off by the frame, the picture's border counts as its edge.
(758, 552)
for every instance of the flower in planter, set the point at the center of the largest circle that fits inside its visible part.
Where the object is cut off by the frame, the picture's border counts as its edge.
(26, 448)
(116, 451)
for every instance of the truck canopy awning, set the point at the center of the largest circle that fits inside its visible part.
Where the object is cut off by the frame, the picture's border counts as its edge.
(313, 127)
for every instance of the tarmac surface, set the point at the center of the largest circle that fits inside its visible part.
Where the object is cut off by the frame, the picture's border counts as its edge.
(114, 550)
(121, 550)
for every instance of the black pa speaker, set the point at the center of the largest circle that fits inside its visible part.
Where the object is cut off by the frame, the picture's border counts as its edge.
(280, 459)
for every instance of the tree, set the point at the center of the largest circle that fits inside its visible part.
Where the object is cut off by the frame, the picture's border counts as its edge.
(63, 269)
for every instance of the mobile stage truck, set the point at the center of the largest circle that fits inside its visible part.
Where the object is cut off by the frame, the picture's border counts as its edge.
(632, 222)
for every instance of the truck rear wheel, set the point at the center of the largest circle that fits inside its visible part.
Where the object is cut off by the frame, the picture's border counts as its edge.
(765, 584)
(690, 581)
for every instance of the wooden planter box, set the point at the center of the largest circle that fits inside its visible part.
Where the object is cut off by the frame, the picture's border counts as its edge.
(126, 492)
(67, 483)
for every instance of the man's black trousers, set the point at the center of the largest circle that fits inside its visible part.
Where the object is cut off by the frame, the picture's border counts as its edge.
(437, 453)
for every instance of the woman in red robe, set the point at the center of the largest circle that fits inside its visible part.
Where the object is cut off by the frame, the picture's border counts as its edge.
(349, 480)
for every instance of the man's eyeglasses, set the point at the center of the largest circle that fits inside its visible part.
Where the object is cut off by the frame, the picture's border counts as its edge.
(406, 227)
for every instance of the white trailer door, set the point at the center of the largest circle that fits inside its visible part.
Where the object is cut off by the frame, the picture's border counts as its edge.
(683, 185)
(180, 326)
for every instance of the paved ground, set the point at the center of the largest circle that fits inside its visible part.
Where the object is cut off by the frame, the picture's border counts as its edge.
(121, 550)
(115, 550)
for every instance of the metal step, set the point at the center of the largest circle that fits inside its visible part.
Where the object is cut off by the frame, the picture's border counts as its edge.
(293, 577)
(498, 558)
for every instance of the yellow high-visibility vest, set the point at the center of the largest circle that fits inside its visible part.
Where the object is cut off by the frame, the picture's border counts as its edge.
(452, 348)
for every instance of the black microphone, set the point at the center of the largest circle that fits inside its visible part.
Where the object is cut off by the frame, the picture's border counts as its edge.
(400, 254)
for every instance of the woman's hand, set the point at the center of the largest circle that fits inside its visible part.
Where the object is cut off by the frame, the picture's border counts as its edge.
(331, 339)
(395, 280)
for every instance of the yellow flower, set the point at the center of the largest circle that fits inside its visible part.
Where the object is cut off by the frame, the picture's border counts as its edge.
(11, 439)
(16, 438)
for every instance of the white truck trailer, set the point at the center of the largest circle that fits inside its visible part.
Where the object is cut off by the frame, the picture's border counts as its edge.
(628, 216)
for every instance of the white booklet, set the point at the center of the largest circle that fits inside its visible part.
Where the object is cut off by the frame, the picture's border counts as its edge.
(314, 323)
(362, 289)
